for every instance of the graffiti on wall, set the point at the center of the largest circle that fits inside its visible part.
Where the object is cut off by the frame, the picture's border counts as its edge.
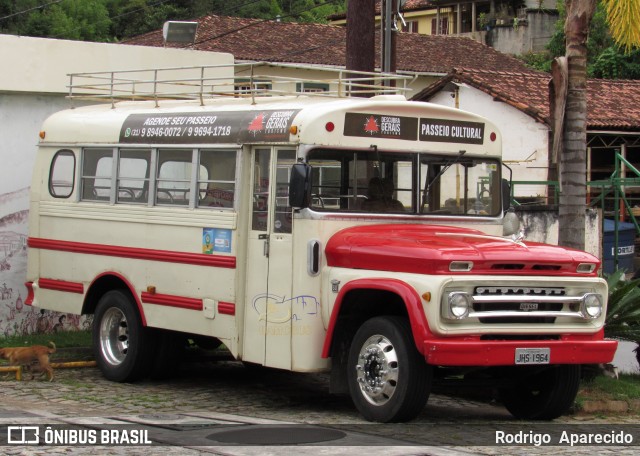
(16, 318)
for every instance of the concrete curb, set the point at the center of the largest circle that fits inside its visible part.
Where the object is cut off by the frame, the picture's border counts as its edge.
(610, 406)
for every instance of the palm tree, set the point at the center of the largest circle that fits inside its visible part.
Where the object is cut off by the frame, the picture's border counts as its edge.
(570, 82)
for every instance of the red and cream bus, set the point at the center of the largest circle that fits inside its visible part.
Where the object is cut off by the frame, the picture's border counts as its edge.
(361, 236)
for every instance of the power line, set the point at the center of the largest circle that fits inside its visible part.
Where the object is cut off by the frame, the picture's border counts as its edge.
(44, 5)
(261, 21)
(139, 9)
(237, 7)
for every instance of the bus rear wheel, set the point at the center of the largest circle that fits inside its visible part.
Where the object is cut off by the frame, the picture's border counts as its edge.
(389, 380)
(122, 345)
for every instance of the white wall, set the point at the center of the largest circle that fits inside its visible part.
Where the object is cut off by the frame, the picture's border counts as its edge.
(21, 116)
(41, 65)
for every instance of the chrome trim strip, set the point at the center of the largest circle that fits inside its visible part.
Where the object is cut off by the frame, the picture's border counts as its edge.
(529, 298)
(526, 314)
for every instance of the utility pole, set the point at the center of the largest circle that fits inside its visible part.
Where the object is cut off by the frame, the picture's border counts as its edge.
(361, 35)
(389, 9)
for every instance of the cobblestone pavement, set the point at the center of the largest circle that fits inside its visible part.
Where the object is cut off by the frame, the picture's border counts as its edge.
(201, 397)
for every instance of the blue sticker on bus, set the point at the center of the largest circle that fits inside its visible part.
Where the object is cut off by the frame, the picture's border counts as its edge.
(216, 240)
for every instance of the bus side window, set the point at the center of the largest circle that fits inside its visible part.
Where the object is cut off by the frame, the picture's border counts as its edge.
(174, 177)
(133, 175)
(96, 174)
(216, 178)
(62, 174)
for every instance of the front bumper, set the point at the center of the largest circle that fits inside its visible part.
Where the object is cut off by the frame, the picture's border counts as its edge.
(466, 352)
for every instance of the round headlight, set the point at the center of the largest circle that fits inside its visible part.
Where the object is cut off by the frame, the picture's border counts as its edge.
(459, 304)
(592, 305)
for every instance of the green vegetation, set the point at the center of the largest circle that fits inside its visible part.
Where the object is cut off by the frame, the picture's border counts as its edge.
(626, 388)
(62, 339)
(623, 309)
(114, 20)
(605, 59)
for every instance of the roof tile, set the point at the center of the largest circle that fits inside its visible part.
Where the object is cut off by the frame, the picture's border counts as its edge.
(611, 104)
(256, 39)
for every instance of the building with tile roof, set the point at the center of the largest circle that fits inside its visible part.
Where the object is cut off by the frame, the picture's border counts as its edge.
(522, 101)
(425, 56)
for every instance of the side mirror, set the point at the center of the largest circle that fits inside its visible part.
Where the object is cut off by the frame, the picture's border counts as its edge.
(506, 195)
(510, 222)
(300, 186)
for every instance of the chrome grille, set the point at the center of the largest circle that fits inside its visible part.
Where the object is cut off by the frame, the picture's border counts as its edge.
(518, 304)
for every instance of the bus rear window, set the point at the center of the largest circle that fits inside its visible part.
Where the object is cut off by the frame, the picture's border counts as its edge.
(62, 174)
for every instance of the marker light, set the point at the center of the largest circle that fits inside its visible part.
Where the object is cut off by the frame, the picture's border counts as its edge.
(42, 134)
(586, 268)
(493, 136)
(293, 130)
(460, 266)
(329, 126)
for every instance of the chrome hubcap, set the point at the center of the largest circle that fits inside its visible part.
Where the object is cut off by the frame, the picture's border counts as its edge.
(377, 370)
(114, 336)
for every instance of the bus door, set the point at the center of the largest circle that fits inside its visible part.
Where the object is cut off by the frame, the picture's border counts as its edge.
(268, 318)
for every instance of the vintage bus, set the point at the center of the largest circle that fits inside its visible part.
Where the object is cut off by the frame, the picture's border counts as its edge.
(361, 236)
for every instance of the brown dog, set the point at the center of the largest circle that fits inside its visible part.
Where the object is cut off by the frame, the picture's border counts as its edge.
(32, 359)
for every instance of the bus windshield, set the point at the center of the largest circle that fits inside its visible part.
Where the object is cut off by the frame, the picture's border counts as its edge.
(407, 183)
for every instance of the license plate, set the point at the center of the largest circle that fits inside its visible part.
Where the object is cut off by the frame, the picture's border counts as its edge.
(532, 355)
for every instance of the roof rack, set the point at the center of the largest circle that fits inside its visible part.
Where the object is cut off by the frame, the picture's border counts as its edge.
(244, 80)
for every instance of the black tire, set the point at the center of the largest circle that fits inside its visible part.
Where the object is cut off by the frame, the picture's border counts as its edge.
(123, 347)
(545, 394)
(383, 351)
(168, 354)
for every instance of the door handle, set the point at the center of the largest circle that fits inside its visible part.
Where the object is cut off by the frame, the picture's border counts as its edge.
(265, 237)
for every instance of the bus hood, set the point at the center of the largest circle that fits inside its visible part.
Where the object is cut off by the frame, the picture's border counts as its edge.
(430, 249)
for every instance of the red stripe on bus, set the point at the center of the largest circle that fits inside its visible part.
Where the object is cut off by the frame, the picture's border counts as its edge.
(226, 308)
(61, 285)
(172, 301)
(168, 256)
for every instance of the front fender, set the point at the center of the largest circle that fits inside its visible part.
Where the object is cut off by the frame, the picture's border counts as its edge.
(412, 302)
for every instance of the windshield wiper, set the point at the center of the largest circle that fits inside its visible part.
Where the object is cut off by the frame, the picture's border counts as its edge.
(444, 168)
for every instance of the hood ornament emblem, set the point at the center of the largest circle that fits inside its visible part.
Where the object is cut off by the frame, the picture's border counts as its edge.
(518, 237)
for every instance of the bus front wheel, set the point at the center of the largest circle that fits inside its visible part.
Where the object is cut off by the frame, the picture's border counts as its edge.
(388, 379)
(122, 345)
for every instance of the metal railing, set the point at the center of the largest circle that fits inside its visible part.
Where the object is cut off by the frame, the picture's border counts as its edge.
(245, 80)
